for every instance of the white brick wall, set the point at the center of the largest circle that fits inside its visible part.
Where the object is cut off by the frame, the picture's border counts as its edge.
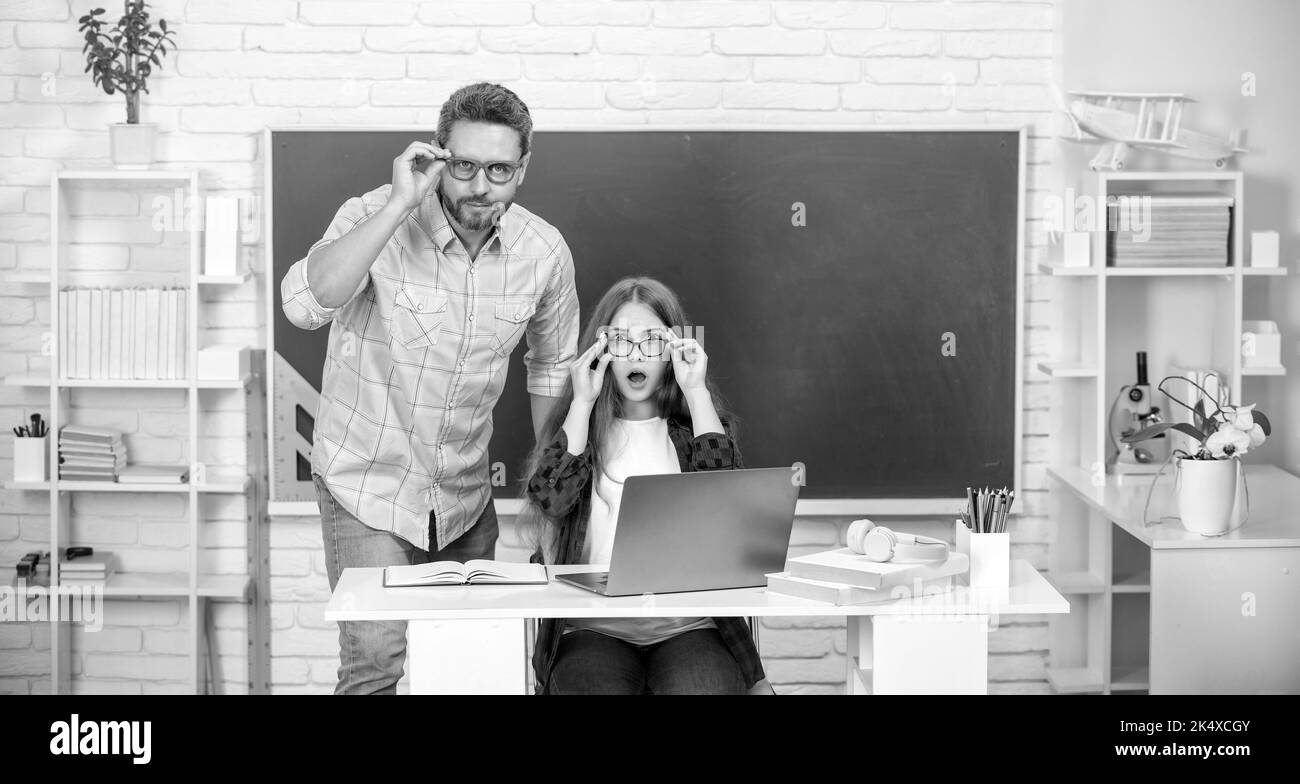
(243, 64)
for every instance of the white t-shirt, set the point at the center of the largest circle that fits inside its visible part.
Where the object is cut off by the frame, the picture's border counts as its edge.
(633, 448)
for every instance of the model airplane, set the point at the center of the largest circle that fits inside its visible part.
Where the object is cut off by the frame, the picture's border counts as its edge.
(1156, 124)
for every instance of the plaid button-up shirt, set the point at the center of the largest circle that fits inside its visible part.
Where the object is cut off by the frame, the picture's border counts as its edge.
(418, 356)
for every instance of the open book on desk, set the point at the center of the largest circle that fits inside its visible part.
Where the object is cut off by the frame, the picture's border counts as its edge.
(478, 572)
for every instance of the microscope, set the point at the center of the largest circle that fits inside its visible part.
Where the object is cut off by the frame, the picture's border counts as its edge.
(1131, 413)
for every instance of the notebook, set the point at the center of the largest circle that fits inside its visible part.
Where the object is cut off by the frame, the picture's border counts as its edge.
(849, 568)
(100, 562)
(839, 593)
(150, 473)
(477, 572)
(95, 568)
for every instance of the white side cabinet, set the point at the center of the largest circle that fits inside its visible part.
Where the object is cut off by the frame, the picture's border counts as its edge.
(72, 234)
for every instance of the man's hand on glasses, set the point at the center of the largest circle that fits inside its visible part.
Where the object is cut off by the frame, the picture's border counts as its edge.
(415, 173)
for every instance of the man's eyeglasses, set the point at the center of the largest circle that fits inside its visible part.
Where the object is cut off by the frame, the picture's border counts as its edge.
(651, 346)
(498, 172)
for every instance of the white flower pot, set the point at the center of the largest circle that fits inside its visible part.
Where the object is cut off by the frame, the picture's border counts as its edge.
(1207, 492)
(132, 144)
(31, 459)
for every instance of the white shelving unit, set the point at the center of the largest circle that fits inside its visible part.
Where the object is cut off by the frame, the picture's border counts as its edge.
(1186, 316)
(190, 586)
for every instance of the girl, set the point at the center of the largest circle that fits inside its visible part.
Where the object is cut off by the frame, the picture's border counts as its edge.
(637, 402)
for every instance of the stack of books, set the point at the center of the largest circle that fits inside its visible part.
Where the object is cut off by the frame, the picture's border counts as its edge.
(844, 577)
(152, 474)
(1178, 230)
(90, 454)
(94, 569)
(122, 333)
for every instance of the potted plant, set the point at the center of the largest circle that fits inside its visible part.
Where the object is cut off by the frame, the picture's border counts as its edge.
(1207, 475)
(121, 59)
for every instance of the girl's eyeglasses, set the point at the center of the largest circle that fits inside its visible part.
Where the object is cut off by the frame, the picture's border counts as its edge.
(651, 347)
(498, 172)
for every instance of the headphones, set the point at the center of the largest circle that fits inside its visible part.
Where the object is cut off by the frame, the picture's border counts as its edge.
(878, 543)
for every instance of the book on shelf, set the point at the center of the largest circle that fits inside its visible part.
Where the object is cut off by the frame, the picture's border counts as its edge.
(87, 465)
(1166, 230)
(182, 333)
(81, 328)
(96, 332)
(839, 593)
(166, 318)
(477, 572)
(90, 454)
(849, 568)
(152, 334)
(99, 561)
(115, 333)
(166, 364)
(63, 349)
(76, 446)
(94, 435)
(103, 332)
(76, 450)
(128, 332)
(140, 341)
(89, 568)
(89, 461)
(118, 334)
(1191, 200)
(153, 473)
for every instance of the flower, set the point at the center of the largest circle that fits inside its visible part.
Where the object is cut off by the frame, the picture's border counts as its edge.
(1241, 417)
(1228, 441)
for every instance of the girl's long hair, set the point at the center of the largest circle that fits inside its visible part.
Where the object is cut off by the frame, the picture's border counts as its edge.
(534, 527)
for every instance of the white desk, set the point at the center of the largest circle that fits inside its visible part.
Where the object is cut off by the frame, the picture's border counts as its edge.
(1173, 612)
(478, 639)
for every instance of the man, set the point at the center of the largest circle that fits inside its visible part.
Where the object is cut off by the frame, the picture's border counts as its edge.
(429, 284)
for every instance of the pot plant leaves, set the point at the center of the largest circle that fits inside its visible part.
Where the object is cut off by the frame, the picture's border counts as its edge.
(1263, 422)
(123, 58)
(1155, 430)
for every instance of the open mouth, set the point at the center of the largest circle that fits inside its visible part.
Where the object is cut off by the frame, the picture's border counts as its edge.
(636, 378)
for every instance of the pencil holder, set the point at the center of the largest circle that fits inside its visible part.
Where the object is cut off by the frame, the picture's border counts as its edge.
(31, 459)
(990, 557)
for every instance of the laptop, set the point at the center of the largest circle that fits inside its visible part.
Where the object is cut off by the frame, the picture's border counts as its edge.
(697, 531)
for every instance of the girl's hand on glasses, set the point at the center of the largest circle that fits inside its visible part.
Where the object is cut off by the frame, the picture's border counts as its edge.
(690, 363)
(416, 172)
(587, 382)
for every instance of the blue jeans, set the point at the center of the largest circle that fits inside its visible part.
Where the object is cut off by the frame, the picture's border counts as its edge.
(372, 653)
(694, 662)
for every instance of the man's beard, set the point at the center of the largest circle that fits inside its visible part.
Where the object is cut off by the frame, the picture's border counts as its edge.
(468, 217)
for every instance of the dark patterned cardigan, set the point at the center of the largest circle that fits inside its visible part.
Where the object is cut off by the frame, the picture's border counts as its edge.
(561, 488)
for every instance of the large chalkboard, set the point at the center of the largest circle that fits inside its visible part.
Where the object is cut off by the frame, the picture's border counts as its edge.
(876, 343)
